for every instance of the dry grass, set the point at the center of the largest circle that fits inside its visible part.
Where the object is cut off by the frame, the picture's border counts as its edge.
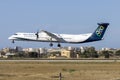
(50, 71)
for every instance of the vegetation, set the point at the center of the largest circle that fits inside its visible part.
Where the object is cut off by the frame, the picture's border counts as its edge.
(117, 53)
(87, 52)
(106, 54)
(50, 71)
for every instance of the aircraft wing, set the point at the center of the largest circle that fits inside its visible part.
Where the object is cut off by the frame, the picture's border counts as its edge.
(54, 36)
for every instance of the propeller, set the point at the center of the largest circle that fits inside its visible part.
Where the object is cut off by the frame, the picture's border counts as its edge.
(37, 34)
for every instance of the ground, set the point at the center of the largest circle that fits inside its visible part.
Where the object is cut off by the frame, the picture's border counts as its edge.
(51, 70)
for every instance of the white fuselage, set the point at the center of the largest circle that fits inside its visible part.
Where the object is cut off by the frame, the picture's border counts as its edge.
(43, 37)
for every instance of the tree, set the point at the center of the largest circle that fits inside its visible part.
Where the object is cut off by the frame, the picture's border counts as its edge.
(92, 52)
(33, 54)
(117, 53)
(106, 54)
(89, 52)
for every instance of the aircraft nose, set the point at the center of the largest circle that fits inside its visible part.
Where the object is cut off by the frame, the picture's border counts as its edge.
(11, 38)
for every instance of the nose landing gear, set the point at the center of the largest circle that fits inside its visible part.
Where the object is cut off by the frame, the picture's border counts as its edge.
(13, 41)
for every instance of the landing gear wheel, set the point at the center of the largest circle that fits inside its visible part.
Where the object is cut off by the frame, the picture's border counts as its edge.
(13, 41)
(59, 45)
(51, 44)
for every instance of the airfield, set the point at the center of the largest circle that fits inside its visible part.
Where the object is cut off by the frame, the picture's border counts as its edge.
(50, 69)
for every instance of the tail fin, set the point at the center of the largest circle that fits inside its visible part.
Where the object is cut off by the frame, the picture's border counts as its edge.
(99, 32)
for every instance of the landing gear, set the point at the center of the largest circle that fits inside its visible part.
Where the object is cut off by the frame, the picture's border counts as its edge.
(51, 44)
(13, 41)
(59, 45)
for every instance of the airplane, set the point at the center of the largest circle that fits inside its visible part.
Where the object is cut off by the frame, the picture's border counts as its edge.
(45, 36)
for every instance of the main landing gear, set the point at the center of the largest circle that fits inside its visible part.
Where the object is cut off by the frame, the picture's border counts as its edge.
(51, 45)
(59, 45)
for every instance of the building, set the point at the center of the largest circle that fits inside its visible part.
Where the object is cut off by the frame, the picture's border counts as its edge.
(30, 50)
(8, 55)
(42, 50)
(6, 50)
(68, 53)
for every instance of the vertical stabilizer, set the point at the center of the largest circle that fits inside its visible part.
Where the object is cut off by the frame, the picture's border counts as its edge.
(99, 32)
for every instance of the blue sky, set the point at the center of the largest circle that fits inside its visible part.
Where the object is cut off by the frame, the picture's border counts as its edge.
(59, 16)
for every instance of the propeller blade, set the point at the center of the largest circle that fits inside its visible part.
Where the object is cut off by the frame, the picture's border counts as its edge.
(37, 34)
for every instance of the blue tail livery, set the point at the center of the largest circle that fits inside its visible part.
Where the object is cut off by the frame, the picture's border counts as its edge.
(99, 32)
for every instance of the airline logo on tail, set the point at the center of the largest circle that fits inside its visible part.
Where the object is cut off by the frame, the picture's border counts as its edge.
(99, 31)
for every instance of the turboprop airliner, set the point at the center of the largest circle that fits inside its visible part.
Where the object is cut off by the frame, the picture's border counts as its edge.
(45, 36)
